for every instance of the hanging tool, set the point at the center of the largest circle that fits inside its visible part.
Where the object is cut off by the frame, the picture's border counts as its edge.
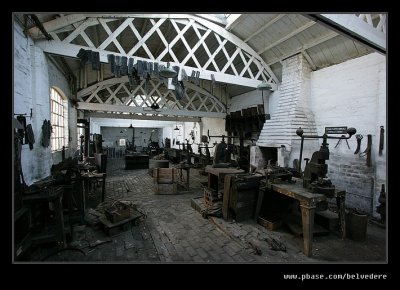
(46, 133)
(184, 76)
(381, 140)
(340, 140)
(30, 136)
(381, 209)
(367, 151)
(359, 138)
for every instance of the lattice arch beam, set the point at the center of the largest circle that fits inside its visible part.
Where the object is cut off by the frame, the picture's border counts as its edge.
(117, 96)
(230, 61)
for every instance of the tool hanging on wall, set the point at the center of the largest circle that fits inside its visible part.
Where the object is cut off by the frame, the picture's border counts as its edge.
(22, 131)
(46, 133)
(367, 151)
(30, 136)
(340, 141)
(381, 209)
(359, 138)
(184, 76)
(381, 140)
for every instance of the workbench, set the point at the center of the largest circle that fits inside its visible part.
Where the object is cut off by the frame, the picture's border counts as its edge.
(308, 203)
(183, 175)
(90, 181)
(216, 177)
(39, 201)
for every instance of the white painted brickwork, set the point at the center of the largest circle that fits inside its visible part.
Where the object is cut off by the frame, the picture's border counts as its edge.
(353, 94)
(292, 111)
(32, 82)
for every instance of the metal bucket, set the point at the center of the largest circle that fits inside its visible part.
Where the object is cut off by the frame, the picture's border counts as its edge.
(356, 226)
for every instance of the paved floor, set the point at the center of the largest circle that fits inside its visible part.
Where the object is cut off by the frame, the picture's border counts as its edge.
(172, 231)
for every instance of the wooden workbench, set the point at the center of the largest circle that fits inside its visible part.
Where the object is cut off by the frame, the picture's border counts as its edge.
(183, 175)
(216, 175)
(308, 202)
(216, 178)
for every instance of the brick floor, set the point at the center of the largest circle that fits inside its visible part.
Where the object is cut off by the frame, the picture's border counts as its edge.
(174, 232)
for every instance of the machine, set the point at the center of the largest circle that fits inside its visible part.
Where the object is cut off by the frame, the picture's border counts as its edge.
(314, 175)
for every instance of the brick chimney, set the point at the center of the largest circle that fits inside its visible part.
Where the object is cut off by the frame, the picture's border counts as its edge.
(293, 110)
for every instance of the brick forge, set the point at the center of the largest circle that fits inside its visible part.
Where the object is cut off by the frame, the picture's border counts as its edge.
(304, 104)
(279, 133)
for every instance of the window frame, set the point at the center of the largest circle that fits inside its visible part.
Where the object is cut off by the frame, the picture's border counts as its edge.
(59, 120)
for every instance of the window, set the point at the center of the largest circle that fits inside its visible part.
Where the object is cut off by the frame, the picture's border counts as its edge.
(59, 120)
(122, 142)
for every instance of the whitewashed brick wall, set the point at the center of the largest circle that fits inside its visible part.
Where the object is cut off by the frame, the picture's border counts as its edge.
(353, 94)
(32, 82)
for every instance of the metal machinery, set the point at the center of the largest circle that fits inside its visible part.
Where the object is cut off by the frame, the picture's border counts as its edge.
(314, 175)
(222, 152)
(204, 145)
(187, 151)
(204, 155)
(153, 147)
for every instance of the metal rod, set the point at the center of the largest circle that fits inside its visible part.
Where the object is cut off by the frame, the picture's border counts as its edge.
(301, 154)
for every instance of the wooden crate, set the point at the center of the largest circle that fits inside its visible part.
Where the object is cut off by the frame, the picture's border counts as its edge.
(270, 223)
(117, 212)
(165, 180)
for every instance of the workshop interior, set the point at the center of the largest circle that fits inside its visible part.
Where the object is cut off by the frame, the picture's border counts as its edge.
(199, 138)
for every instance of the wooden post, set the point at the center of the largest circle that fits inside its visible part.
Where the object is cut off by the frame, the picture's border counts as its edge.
(307, 217)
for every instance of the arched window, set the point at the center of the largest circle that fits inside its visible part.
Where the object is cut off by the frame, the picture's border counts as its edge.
(59, 120)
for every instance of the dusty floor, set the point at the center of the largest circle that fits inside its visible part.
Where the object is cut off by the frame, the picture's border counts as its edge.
(172, 231)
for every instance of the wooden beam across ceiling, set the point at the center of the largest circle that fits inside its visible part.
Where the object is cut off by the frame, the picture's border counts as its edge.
(141, 110)
(272, 21)
(354, 27)
(236, 18)
(286, 37)
(57, 23)
(141, 117)
(305, 46)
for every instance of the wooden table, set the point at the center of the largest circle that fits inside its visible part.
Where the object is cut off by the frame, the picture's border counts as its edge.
(308, 202)
(183, 175)
(54, 195)
(216, 179)
(216, 176)
(90, 180)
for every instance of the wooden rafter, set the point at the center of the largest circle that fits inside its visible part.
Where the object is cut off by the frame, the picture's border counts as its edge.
(199, 102)
(223, 37)
(305, 46)
(355, 28)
